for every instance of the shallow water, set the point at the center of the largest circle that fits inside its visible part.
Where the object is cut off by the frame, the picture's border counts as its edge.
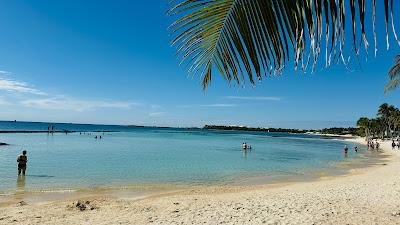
(151, 156)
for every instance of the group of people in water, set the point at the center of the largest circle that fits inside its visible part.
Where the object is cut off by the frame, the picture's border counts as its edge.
(88, 133)
(245, 146)
(371, 146)
(50, 129)
(346, 149)
(22, 159)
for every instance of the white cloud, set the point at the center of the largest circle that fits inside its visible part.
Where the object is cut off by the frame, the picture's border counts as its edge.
(156, 114)
(66, 103)
(154, 106)
(217, 105)
(255, 98)
(3, 101)
(58, 102)
(17, 86)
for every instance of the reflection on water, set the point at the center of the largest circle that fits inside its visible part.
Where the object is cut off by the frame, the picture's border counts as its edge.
(246, 153)
(20, 183)
(41, 176)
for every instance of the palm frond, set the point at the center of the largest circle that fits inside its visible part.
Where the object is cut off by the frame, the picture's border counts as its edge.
(394, 75)
(245, 40)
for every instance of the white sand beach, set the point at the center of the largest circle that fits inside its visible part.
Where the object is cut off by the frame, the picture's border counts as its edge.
(365, 196)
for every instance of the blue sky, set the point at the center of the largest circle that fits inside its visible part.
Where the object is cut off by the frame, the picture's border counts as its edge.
(111, 62)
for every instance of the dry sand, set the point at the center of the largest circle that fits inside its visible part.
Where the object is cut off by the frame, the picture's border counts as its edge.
(365, 196)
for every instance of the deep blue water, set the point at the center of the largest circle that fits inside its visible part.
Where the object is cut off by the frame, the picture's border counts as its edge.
(41, 126)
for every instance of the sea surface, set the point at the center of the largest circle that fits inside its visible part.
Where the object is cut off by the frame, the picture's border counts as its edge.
(155, 156)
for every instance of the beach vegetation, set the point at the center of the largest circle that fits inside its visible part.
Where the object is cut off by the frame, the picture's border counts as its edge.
(260, 129)
(394, 75)
(385, 125)
(246, 40)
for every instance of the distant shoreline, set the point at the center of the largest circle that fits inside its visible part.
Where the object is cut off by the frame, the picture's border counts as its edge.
(49, 132)
(335, 130)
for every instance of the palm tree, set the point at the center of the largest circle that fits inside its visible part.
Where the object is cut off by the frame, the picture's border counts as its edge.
(388, 121)
(377, 127)
(394, 75)
(364, 123)
(384, 112)
(256, 38)
(394, 119)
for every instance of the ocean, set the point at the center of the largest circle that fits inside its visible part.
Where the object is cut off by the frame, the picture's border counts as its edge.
(159, 156)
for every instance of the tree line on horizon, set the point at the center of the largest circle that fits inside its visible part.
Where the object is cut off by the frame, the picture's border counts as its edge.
(332, 130)
(260, 129)
(385, 125)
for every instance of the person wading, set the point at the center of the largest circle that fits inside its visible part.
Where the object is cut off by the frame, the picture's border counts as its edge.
(22, 160)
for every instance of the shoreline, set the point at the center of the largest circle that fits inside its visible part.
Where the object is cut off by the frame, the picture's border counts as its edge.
(51, 132)
(362, 196)
(335, 169)
(312, 174)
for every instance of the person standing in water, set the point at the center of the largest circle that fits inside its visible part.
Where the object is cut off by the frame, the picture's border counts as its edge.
(346, 149)
(22, 160)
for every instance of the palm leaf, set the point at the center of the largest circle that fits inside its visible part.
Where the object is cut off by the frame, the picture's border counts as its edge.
(394, 75)
(245, 40)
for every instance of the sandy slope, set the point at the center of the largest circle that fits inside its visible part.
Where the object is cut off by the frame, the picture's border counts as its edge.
(367, 196)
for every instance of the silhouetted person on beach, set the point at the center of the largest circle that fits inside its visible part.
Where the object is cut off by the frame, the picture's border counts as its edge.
(393, 144)
(22, 160)
(355, 148)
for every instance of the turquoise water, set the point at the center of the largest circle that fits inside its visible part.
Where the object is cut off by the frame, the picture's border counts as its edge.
(143, 156)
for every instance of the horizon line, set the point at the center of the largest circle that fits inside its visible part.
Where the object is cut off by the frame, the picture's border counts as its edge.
(160, 126)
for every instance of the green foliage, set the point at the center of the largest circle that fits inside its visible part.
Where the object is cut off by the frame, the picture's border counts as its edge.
(243, 128)
(359, 132)
(340, 130)
(386, 124)
(256, 38)
(394, 75)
